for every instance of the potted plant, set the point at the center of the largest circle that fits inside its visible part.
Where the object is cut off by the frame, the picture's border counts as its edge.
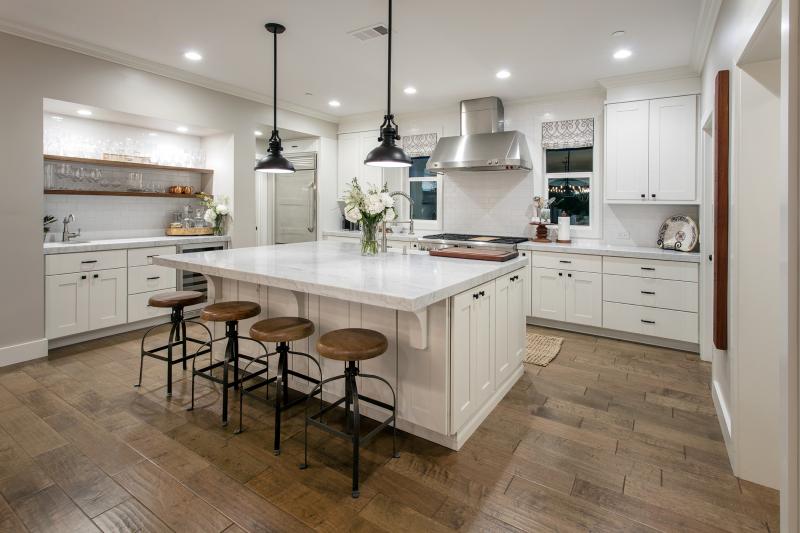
(370, 208)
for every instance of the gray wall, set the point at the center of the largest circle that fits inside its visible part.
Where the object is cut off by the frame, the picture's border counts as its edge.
(32, 71)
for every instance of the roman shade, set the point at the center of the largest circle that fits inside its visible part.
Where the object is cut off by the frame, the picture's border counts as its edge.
(419, 145)
(561, 134)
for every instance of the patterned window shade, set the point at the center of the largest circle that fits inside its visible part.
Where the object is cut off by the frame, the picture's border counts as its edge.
(568, 134)
(419, 145)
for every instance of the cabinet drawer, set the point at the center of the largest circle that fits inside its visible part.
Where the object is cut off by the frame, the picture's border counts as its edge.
(150, 278)
(556, 260)
(139, 310)
(144, 256)
(84, 261)
(664, 323)
(645, 268)
(652, 292)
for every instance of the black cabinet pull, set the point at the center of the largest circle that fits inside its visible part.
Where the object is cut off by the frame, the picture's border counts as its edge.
(569, 275)
(647, 292)
(643, 195)
(154, 277)
(648, 321)
(560, 273)
(88, 262)
(653, 195)
(475, 296)
(96, 276)
(710, 257)
(565, 262)
(83, 277)
(482, 293)
(648, 268)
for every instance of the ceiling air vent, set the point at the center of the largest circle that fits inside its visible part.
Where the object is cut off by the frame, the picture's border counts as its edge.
(369, 32)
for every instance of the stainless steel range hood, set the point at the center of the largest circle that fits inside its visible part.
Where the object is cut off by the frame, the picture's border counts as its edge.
(482, 145)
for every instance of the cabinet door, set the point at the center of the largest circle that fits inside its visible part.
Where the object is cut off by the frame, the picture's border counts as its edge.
(108, 298)
(584, 298)
(462, 342)
(66, 304)
(548, 293)
(483, 356)
(673, 148)
(503, 345)
(517, 312)
(349, 163)
(626, 150)
(368, 175)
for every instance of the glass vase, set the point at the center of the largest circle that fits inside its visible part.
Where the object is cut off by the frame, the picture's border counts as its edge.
(369, 238)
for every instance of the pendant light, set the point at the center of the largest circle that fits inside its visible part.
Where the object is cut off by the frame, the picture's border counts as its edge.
(274, 162)
(388, 154)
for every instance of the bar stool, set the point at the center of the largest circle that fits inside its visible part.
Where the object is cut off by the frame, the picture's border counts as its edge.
(177, 301)
(281, 331)
(352, 345)
(230, 313)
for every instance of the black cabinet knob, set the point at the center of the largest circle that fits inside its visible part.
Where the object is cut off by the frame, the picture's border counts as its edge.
(83, 277)
(643, 195)
(95, 276)
(482, 293)
(560, 273)
(653, 195)
(569, 275)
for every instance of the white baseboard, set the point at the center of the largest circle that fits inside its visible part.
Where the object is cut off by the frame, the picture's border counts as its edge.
(724, 417)
(19, 353)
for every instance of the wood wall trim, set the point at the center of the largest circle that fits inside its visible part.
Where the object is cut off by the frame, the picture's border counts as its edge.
(721, 198)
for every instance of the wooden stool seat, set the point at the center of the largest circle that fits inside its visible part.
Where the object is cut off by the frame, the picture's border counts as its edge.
(282, 329)
(352, 344)
(230, 311)
(176, 299)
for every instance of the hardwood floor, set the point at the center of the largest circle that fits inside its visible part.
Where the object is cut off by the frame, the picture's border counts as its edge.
(611, 436)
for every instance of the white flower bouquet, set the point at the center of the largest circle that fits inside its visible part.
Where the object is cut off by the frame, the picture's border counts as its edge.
(217, 211)
(370, 208)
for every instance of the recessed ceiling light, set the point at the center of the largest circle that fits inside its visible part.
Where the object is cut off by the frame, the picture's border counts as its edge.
(503, 74)
(182, 129)
(622, 53)
(84, 112)
(57, 118)
(334, 103)
(618, 33)
(258, 133)
(191, 55)
(410, 90)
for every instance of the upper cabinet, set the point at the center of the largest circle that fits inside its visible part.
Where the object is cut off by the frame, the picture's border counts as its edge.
(651, 150)
(353, 149)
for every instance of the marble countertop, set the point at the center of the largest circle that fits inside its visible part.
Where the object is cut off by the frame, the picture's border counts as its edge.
(121, 244)
(599, 248)
(336, 269)
(357, 235)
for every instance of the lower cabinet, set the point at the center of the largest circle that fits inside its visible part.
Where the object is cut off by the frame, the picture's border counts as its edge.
(83, 301)
(566, 296)
(510, 312)
(472, 349)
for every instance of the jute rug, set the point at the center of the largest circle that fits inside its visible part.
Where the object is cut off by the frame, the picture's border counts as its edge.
(542, 348)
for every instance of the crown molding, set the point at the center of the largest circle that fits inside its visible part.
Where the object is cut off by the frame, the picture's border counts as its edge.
(653, 76)
(577, 94)
(153, 67)
(703, 32)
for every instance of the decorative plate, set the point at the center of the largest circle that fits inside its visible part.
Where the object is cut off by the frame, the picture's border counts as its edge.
(678, 232)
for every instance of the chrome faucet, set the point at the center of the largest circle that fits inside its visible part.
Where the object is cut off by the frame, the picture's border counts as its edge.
(410, 221)
(66, 235)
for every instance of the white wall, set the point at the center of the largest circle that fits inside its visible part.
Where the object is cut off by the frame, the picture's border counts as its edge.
(29, 70)
(501, 202)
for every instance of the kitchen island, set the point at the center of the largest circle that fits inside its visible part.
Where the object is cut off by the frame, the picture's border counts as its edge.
(456, 327)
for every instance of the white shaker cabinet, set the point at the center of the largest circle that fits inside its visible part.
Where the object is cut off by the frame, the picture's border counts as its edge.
(548, 294)
(627, 150)
(66, 304)
(510, 323)
(584, 298)
(108, 298)
(672, 148)
(472, 348)
(353, 149)
(650, 150)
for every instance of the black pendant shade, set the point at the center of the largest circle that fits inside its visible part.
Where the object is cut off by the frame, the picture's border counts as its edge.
(388, 154)
(274, 162)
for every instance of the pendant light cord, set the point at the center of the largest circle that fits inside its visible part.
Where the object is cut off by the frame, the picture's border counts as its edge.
(389, 81)
(275, 83)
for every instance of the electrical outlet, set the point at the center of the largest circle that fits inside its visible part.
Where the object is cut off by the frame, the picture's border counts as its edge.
(623, 235)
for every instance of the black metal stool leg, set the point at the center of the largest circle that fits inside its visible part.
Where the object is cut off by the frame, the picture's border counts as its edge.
(183, 342)
(356, 427)
(141, 367)
(172, 332)
(276, 449)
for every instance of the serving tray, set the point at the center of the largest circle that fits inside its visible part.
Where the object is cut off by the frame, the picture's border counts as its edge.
(472, 253)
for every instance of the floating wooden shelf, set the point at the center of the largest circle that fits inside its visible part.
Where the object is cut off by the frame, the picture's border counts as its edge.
(124, 164)
(119, 193)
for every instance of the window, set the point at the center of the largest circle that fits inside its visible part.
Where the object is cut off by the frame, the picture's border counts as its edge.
(569, 181)
(425, 189)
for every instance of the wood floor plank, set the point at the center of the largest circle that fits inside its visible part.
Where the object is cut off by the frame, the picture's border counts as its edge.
(30, 431)
(51, 510)
(88, 486)
(130, 515)
(170, 501)
(389, 515)
(9, 521)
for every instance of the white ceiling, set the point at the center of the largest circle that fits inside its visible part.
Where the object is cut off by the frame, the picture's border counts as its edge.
(447, 49)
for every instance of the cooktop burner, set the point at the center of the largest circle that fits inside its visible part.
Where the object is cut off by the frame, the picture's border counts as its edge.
(489, 239)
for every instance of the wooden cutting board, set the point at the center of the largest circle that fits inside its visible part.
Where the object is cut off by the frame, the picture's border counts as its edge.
(474, 253)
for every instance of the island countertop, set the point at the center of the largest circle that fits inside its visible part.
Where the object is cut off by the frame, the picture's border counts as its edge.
(338, 270)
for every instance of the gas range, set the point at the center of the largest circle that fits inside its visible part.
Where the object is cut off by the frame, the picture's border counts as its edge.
(458, 240)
